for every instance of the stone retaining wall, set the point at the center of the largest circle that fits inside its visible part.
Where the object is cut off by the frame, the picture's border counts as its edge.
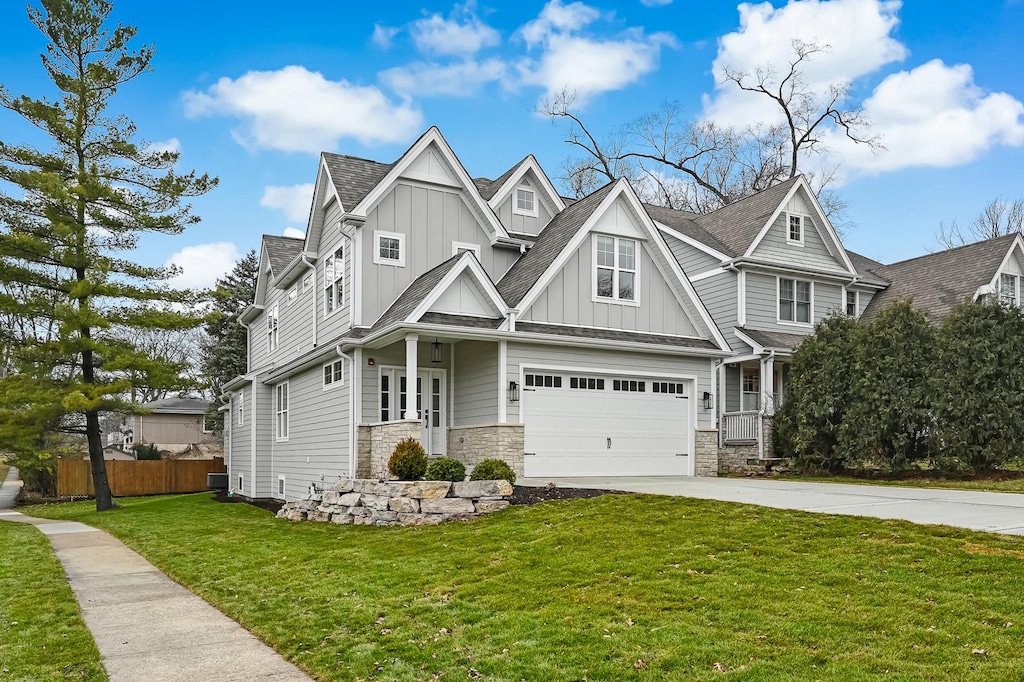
(375, 444)
(473, 444)
(399, 503)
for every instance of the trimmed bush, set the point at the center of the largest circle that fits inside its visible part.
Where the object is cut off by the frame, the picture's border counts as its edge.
(493, 470)
(147, 452)
(446, 469)
(409, 461)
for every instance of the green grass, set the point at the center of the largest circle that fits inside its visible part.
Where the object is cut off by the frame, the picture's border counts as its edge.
(613, 588)
(1007, 485)
(42, 635)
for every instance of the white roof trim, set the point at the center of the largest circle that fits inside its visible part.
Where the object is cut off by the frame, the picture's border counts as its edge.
(695, 243)
(757, 348)
(528, 164)
(1017, 242)
(623, 189)
(433, 135)
(802, 183)
(467, 261)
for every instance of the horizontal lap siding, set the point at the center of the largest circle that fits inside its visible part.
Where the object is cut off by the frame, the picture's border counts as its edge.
(610, 361)
(476, 383)
(719, 295)
(762, 303)
(828, 299)
(239, 459)
(691, 259)
(318, 431)
(812, 254)
(330, 326)
(393, 356)
(733, 389)
(264, 435)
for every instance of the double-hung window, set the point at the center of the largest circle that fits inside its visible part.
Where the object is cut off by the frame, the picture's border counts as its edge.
(281, 411)
(795, 229)
(853, 303)
(525, 202)
(794, 301)
(615, 268)
(240, 408)
(1008, 292)
(334, 281)
(333, 373)
(750, 389)
(389, 248)
(273, 337)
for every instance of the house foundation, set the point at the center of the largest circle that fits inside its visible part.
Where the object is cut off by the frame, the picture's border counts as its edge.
(473, 444)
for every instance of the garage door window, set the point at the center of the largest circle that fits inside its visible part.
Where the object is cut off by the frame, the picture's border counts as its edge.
(544, 380)
(588, 383)
(631, 386)
(668, 387)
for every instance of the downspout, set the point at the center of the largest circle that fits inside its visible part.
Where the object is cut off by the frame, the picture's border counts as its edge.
(352, 430)
(312, 269)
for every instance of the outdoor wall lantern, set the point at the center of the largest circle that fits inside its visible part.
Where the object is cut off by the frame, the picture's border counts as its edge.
(435, 351)
(707, 400)
(513, 392)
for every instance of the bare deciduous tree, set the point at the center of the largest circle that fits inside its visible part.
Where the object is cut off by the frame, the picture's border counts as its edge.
(999, 217)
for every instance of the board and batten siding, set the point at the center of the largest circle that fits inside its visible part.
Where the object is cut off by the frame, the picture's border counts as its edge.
(524, 224)
(610, 362)
(568, 299)
(762, 296)
(394, 356)
(318, 435)
(430, 219)
(812, 254)
(691, 259)
(476, 383)
(720, 298)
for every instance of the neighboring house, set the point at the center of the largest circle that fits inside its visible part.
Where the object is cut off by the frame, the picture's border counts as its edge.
(486, 318)
(112, 452)
(175, 425)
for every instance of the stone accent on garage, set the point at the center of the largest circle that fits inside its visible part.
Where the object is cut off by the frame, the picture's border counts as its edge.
(705, 460)
(376, 442)
(473, 444)
(713, 459)
(399, 503)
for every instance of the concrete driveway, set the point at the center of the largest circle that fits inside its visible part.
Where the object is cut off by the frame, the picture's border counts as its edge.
(991, 512)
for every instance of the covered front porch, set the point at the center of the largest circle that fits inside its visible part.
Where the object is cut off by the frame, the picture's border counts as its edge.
(751, 389)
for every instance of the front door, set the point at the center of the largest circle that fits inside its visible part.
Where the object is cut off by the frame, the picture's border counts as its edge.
(433, 415)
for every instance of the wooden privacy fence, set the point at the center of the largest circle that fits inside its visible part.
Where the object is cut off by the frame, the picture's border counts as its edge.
(143, 477)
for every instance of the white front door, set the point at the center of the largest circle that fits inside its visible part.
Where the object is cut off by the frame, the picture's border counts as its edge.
(431, 408)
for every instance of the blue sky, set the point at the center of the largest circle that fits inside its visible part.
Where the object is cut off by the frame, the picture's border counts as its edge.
(252, 91)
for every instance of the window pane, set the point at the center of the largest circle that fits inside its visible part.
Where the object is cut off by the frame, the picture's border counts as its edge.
(803, 292)
(604, 283)
(785, 290)
(794, 228)
(803, 312)
(389, 248)
(524, 199)
(606, 252)
(627, 254)
(786, 310)
(328, 376)
(626, 286)
(339, 264)
(338, 370)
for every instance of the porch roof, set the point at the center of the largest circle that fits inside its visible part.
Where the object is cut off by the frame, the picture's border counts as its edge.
(451, 320)
(414, 294)
(614, 335)
(778, 341)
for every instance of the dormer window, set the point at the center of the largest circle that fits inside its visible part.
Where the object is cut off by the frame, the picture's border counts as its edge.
(1009, 294)
(389, 248)
(795, 233)
(525, 202)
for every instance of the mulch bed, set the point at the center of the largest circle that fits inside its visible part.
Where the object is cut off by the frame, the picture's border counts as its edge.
(523, 494)
(270, 504)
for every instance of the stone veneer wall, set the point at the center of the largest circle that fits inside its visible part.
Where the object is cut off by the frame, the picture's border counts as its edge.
(376, 442)
(473, 444)
(399, 503)
(705, 461)
(713, 459)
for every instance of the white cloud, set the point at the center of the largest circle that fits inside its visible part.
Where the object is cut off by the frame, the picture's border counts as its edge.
(171, 145)
(934, 115)
(462, 33)
(460, 79)
(384, 36)
(201, 265)
(294, 200)
(297, 110)
(584, 64)
(294, 233)
(655, 3)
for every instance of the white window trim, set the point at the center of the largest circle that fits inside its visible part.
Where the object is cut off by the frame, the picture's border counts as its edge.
(240, 409)
(281, 486)
(856, 303)
(515, 201)
(1016, 287)
(335, 382)
(754, 372)
(273, 329)
(202, 424)
(241, 482)
(343, 303)
(778, 303)
(615, 280)
(308, 282)
(466, 246)
(293, 293)
(803, 229)
(377, 236)
(287, 412)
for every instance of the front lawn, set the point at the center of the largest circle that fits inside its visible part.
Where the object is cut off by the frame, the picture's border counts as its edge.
(612, 588)
(42, 635)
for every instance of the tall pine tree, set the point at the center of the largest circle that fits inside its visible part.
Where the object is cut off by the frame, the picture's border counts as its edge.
(70, 217)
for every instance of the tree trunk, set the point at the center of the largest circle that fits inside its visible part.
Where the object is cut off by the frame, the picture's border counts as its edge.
(104, 499)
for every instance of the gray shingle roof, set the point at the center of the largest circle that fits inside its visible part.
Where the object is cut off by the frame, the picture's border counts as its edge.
(414, 294)
(281, 251)
(867, 268)
(939, 281)
(737, 225)
(462, 320)
(551, 242)
(683, 221)
(483, 185)
(178, 406)
(613, 335)
(495, 185)
(354, 177)
(773, 340)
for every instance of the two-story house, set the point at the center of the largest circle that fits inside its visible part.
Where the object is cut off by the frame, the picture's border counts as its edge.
(485, 318)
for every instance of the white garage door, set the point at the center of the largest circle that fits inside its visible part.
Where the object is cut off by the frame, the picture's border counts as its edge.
(589, 425)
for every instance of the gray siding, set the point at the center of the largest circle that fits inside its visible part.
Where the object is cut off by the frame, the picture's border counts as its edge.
(568, 299)
(239, 456)
(264, 414)
(720, 298)
(295, 325)
(522, 355)
(431, 219)
(692, 260)
(476, 383)
(340, 320)
(813, 253)
(318, 440)
(514, 222)
(763, 303)
(394, 356)
(733, 389)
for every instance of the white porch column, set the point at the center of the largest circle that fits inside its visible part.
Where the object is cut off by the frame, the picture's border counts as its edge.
(768, 385)
(411, 370)
(502, 382)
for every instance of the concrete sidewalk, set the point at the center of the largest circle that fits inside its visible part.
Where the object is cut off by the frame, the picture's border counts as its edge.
(991, 512)
(148, 627)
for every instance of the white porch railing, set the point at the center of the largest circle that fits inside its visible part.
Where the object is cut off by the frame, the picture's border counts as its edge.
(741, 426)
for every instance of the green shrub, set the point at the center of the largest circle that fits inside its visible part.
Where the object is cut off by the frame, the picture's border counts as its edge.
(493, 470)
(150, 451)
(446, 469)
(409, 461)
